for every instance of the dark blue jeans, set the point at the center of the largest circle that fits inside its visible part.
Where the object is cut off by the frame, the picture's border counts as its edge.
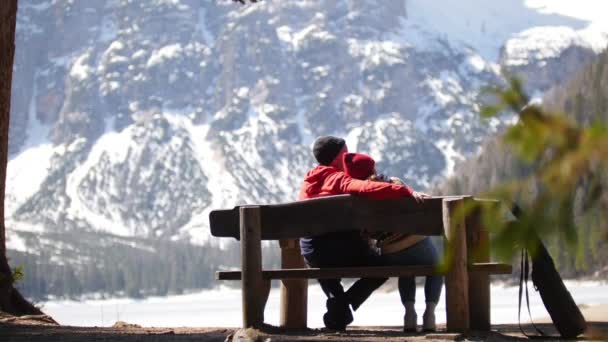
(422, 253)
(346, 254)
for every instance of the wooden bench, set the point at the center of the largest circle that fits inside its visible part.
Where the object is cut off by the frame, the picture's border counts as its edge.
(467, 281)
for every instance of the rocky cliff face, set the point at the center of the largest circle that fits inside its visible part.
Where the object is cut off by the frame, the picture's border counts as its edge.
(136, 118)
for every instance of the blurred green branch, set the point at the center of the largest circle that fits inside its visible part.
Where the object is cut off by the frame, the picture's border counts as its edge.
(566, 157)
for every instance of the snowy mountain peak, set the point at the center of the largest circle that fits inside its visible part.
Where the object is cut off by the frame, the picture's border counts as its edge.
(138, 118)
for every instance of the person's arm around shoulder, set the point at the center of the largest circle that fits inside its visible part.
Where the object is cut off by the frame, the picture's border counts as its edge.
(419, 196)
(374, 190)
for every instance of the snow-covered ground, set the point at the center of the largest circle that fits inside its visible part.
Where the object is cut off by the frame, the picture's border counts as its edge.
(222, 308)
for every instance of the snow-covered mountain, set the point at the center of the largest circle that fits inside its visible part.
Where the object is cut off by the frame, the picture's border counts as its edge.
(136, 118)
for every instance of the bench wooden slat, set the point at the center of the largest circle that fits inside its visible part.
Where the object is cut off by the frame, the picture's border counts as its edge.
(358, 272)
(334, 214)
(491, 268)
(225, 223)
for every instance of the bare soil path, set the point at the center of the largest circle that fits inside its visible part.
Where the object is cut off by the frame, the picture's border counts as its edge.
(18, 331)
(43, 328)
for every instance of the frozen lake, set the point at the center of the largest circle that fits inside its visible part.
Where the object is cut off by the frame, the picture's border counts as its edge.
(222, 307)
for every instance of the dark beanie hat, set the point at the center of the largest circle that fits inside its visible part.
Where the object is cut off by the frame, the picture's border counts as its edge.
(359, 166)
(326, 149)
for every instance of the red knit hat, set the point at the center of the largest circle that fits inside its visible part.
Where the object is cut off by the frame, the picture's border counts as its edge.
(359, 166)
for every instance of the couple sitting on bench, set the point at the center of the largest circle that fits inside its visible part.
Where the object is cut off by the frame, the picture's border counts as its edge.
(340, 172)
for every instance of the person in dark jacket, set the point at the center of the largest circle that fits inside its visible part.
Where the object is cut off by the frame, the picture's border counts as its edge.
(401, 249)
(343, 249)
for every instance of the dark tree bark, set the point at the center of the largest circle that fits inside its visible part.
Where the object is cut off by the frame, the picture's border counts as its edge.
(11, 300)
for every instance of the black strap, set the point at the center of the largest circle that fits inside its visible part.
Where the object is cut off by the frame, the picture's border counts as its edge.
(527, 266)
(523, 282)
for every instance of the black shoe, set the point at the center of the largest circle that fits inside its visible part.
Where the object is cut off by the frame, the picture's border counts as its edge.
(338, 314)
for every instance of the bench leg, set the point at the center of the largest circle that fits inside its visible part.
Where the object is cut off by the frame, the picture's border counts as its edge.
(252, 283)
(478, 248)
(457, 278)
(294, 292)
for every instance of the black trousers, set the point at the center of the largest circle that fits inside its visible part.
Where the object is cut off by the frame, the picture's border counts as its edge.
(346, 254)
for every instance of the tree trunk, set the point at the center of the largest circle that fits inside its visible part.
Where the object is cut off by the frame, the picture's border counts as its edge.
(11, 300)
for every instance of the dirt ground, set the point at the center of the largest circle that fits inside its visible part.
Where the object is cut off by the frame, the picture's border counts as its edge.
(44, 332)
(43, 328)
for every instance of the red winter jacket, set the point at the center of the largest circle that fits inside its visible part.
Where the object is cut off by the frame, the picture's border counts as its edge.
(328, 180)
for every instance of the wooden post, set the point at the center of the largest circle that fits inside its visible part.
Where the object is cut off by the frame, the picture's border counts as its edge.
(456, 279)
(294, 292)
(478, 248)
(251, 262)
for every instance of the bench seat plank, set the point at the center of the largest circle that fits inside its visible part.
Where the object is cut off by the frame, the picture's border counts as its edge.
(358, 272)
(334, 214)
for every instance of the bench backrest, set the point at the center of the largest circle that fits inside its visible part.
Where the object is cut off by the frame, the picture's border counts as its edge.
(337, 213)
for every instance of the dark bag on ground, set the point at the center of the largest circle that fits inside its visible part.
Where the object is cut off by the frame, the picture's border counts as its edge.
(566, 316)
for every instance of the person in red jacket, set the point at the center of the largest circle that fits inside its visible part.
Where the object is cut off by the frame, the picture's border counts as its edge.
(401, 249)
(342, 249)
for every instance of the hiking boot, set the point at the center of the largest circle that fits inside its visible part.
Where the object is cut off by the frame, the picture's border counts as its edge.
(428, 318)
(409, 322)
(338, 314)
(411, 318)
